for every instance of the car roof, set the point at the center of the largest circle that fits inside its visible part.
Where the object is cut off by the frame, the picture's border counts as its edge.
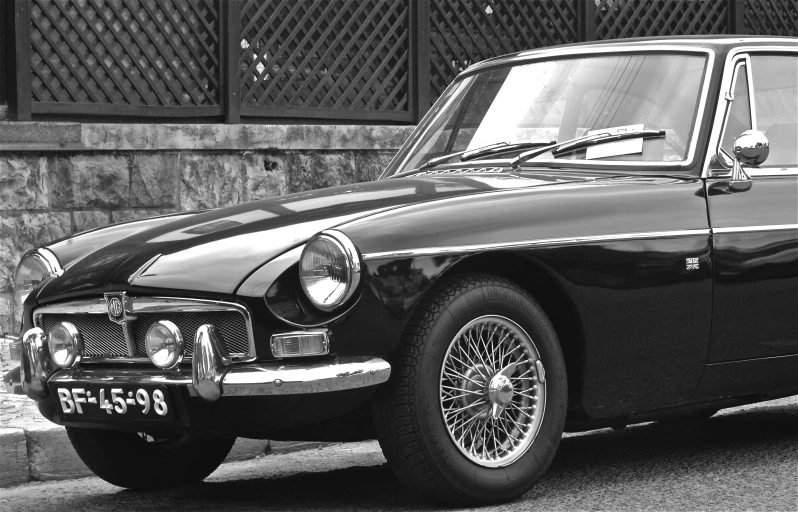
(719, 44)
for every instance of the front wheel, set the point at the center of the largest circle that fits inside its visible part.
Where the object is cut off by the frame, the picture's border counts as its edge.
(147, 462)
(475, 408)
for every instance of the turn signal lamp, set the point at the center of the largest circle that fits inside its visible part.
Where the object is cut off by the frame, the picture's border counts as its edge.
(300, 344)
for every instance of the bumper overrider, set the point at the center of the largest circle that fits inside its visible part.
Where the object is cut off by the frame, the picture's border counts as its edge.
(213, 375)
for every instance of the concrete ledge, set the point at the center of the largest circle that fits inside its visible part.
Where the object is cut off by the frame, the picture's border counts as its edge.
(13, 457)
(51, 136)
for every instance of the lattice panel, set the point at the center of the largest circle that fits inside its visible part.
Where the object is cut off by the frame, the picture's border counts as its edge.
(463, 32)
(330, 54)
(125, 52)
(771, 17)
(639, 18)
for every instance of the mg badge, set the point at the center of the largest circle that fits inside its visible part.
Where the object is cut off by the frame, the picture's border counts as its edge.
(117, 306)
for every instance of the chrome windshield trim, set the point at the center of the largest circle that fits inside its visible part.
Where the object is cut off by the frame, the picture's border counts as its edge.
(753, 229)
(543, 242)
(722, 107)
(149, 305)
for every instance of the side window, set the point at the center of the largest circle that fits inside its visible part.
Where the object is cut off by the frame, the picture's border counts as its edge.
(775, 80)
(739, 117)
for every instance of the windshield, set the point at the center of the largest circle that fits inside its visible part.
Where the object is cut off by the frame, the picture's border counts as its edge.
(563, 99)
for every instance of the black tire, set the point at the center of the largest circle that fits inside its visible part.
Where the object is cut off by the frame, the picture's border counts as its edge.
(129, 460)
(408, 409)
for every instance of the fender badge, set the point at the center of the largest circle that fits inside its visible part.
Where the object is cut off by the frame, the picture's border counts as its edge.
(692, 263)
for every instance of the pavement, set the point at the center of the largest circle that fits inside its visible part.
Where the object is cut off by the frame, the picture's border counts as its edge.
(743, 459)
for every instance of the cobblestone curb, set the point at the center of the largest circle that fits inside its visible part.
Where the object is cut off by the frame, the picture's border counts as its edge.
(34, 449)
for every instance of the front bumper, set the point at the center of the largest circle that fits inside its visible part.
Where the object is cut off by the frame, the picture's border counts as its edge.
(212, 374)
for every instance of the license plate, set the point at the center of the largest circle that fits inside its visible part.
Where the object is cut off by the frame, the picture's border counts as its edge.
(114, 402)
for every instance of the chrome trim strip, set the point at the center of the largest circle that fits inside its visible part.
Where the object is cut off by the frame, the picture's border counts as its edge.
(261, 379)
(720, 120)
(431, 251)
(51, 260)
(150, 305)
(752, 229)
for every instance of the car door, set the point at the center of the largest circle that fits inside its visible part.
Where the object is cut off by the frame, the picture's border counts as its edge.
(755, 230)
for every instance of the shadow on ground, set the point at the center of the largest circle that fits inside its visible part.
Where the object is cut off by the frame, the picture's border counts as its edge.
(697, 465)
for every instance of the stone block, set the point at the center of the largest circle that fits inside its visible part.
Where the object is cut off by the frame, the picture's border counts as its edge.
(13, 457)
(370, 164)
(371, 137)
(85, 220)
(309, 170)
(196, 136)
(61, 134)
(51, 456)
(89, 181)
(154, 180)
(128, 215)
(9, 322)
(265, 176)
(210, 180)
(309, 136)
(21, 231)
(23, 182)
(119, 136)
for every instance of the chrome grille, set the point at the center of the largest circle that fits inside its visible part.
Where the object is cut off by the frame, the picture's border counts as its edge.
(231, 329)
(103, 338)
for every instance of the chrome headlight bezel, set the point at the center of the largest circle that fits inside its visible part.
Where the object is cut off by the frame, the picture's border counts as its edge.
(175, 351)
(73, 344)
(351, 263)
(50, 267)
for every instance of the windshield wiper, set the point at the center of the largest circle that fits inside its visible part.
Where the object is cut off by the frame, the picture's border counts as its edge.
(568, 146)
(472, 154)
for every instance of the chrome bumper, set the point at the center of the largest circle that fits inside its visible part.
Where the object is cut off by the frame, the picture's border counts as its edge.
(212, 374)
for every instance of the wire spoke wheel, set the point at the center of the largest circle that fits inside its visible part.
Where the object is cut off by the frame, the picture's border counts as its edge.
(492, 391)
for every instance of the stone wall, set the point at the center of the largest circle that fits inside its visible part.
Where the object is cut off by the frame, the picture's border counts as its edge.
(57, 179)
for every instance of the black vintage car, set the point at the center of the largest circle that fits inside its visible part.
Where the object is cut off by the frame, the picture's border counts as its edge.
(573, 238)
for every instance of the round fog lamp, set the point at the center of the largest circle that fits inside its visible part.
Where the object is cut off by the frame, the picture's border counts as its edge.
(65, 344)
(164, 344)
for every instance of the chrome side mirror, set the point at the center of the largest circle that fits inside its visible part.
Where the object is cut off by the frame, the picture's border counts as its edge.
(750, 148)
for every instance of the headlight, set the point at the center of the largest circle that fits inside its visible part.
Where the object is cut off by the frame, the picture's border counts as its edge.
(35, 267)
(329, 269)
(65, 344)
(164, 344)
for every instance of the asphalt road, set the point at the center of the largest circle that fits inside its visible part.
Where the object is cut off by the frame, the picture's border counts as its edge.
(742, 459)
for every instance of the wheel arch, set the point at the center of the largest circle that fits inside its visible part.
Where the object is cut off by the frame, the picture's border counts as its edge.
(539, 281)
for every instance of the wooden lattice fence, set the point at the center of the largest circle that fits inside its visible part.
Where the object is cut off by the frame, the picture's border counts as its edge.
(322, 60)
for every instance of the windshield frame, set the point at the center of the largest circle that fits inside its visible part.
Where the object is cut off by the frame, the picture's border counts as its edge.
(533, 56)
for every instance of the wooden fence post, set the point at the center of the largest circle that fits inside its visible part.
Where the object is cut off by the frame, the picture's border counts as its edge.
(736, 19)
(586, 18)
(230, 25)
(420, 43)
(21, 60)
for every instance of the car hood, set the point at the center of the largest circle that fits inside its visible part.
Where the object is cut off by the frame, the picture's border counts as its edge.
(212, 252)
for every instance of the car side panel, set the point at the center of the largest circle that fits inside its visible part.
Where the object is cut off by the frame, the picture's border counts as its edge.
(644, 310)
